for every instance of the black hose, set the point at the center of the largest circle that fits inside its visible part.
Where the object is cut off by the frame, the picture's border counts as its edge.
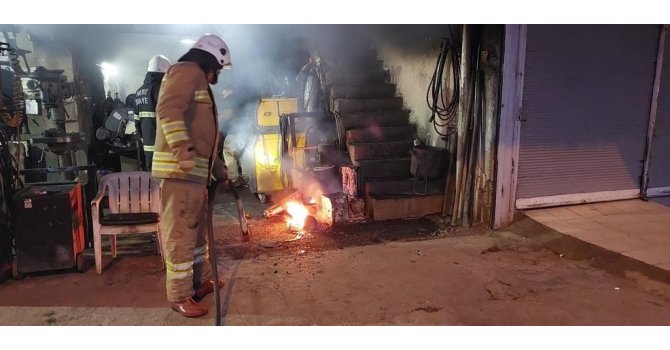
(211, 193)
(317, 89)
(339, 130)
(443, 112)
(17, 98)
(10, 184)
(302, 78)
(283, 150)
(244, 226)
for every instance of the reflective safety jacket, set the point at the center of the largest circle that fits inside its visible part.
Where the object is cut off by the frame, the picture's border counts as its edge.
(187, 127)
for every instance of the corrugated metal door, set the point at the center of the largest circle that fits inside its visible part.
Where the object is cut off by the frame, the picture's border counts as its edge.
(659, 164)
(586, 99)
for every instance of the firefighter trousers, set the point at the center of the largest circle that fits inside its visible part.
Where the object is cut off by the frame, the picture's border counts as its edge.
(233, 149)
(184, 229)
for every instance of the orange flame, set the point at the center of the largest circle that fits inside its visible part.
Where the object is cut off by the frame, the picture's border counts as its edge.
(297, 214)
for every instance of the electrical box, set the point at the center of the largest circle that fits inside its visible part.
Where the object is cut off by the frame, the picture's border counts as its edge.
(269, 110)
(49, 227)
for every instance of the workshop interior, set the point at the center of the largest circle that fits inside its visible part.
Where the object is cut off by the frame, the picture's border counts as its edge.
(335, 128)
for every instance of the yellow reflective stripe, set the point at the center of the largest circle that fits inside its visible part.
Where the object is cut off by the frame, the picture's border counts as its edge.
(201, 259)
(176, 136)
(175, 131)
(179, 275)
(148, 148)
(174, 126)
(167, 162)
(169, 157)
(173, 168)
(147, 114)
(202, 96)
(185, 266)
(165, 155)
(200, 250)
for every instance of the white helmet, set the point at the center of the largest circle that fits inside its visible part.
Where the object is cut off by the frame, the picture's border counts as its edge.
(159, 64)
(216, 47)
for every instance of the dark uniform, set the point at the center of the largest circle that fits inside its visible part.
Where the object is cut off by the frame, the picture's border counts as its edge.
(146, 99)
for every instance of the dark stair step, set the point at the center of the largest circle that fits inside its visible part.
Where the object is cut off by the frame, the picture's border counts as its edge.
(383, 207)
(371, 120)
(353, 77)
(362, 91)
(354, 105)
(356, 65)
(382, 168)
(404, 186)
(379, 150)
(381, 134)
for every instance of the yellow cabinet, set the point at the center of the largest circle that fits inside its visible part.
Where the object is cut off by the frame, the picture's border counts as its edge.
(269, 110)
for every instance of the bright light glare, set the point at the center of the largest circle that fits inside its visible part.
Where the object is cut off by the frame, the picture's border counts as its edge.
(187, 41)
(108, 69)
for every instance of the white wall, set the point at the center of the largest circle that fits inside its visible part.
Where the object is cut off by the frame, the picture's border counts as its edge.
(410, 54)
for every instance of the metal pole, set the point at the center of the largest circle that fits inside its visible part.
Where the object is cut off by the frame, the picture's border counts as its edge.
(463, 112)
(509, 131)
(653, 110)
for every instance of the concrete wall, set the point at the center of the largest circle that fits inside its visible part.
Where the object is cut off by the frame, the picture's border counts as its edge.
(133, 57)
(410, 54)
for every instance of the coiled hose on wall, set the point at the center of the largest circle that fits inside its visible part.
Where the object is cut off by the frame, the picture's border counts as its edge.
(443, 111)
(9, 166)
(17, 98)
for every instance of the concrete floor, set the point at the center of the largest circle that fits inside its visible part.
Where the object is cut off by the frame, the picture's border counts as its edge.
(634, 228)
(408, 272)
(491, 279)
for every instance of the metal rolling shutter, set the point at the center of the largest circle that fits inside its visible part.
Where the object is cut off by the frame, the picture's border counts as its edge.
(586, 99)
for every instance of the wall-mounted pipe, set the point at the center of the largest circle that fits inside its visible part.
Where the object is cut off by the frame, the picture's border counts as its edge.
(653, 110)
(463, 112)
(509, 130)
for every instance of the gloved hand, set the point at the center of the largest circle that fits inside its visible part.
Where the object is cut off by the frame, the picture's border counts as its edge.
(186, 157)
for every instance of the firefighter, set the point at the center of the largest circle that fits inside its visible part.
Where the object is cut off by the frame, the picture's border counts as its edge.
(146, 99)
(185, 160)
(233, 122)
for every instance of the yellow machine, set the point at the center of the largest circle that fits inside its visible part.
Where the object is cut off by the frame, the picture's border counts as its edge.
(270, 109)
(265, 176)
